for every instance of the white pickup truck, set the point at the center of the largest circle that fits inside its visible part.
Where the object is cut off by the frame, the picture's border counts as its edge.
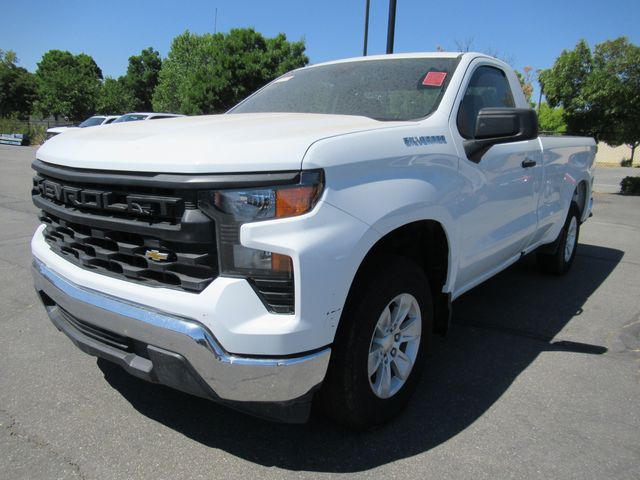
(310, 241)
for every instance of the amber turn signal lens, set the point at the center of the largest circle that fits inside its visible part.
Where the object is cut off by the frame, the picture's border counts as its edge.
(295, 201)
(281, 263)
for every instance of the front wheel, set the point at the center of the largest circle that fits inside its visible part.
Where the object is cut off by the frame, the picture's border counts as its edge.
(559, 261)
(379, 351)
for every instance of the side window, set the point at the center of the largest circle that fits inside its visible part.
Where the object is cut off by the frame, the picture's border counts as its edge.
(488, 87)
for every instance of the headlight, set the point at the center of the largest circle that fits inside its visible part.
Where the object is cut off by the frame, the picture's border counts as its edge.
(253, 204)
(234, 207)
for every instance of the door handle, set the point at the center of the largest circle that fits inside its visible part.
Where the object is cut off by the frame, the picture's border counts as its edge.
(528, 163)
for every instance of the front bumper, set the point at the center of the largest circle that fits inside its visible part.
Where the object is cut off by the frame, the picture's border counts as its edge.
(179, 352)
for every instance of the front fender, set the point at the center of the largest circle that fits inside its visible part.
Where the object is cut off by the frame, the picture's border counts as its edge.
(389, 194)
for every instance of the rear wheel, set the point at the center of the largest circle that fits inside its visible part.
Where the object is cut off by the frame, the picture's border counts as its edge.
(378, 354)
(560, 260)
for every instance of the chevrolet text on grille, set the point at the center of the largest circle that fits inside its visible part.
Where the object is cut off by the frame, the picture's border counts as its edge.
(105, 200)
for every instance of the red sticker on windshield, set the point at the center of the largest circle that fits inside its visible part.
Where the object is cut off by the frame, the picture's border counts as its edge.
(434, 79)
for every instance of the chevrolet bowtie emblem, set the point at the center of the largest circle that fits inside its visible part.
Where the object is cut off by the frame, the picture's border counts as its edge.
(156, 255)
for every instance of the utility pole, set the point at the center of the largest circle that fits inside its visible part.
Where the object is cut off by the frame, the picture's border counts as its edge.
(366, 27)
(215, 22)
(391, 29)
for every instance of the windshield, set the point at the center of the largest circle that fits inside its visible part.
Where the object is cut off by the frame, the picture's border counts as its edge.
(91, 122)
(130, 117)
(390, 89)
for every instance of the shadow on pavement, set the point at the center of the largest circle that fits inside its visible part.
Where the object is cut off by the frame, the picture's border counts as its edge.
(499, 328)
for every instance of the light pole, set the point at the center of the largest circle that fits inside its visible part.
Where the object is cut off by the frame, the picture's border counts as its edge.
(391, 29)
(366, 27)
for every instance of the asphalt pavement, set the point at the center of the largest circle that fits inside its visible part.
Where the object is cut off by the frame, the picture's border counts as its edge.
(538, 379)
(607, 179)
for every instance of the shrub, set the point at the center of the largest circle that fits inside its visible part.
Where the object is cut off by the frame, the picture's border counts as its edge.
(35, 133)
(630, 186)
(11, 125)
(626, 162)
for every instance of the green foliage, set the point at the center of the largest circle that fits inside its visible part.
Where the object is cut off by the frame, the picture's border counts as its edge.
(551, 119)
(35, 133)
(599, 91)
(12, 125)
(17, 87)
(67, 85)
(630, 186)
(211, 73)
(115, 98)
(626, 162)
(142, 77)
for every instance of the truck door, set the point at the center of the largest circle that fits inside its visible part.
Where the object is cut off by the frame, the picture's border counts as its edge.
(497, 209)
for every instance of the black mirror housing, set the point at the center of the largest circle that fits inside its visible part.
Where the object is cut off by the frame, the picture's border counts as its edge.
(500, 125)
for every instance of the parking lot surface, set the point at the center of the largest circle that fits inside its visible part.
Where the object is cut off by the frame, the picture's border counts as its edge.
(538, 378)
(607, 179)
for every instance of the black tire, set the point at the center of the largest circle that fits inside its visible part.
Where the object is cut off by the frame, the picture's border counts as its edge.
(556, 262)
(347, 395)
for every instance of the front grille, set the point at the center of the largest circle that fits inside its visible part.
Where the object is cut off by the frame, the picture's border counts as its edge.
(122, 254)
(139, 233)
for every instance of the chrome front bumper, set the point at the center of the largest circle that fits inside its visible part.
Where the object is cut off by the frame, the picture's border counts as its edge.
(178, 352)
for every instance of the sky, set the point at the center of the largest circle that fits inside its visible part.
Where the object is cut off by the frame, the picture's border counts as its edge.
(531, 33)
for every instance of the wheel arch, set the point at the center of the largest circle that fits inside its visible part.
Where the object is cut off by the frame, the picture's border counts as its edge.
(427, 242)
(580, 197)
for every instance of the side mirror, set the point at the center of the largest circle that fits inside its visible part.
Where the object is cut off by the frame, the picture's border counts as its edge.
(500, 125)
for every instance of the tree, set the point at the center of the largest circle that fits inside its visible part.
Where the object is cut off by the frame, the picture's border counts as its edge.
(189, 72)
(17, 87)
(142, 77)
(615, 86)
(599, 91)
(551, 119)
(526, 82)
(211, 73)
(115, 98)
(466, 45)
(67, 85)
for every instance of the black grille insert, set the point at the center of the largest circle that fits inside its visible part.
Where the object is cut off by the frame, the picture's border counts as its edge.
(146, 259)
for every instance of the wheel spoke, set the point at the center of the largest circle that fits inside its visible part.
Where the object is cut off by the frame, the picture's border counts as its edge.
(383, 324)
(410, 330)
(375, 357)
(379, 385)
(385, 380)
(402, 365)
(402, 309)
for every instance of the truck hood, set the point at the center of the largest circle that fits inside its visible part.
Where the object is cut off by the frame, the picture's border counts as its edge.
(227, 143)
